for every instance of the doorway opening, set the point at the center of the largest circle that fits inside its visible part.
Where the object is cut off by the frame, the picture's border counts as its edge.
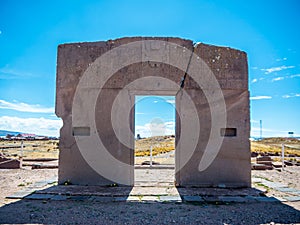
(154, 145)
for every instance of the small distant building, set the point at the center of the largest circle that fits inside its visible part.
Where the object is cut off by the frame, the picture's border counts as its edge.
(41, 138)
(25, 136)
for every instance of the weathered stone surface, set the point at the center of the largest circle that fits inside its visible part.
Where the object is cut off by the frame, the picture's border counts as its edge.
(227, 64)
(231, 166)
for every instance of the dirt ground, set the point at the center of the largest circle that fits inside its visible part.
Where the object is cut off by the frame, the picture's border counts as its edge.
(74, 212)
(90, 212)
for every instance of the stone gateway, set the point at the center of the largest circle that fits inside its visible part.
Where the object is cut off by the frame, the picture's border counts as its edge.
(95, 96)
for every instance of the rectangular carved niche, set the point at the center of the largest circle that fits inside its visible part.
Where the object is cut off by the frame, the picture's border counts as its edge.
(81, 131)
(228, 132)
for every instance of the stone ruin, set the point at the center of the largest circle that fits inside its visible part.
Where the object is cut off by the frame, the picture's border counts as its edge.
(7, 163)
(95, 95)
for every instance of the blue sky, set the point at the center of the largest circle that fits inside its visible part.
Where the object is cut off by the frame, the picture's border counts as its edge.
(154, 115)
(31, 30)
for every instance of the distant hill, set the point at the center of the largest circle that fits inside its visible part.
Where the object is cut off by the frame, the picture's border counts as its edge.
(3, 133)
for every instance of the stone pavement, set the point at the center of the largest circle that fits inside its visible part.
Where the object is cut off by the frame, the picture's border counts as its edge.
(33, 188)
(286, 193)
(158, 189)
(144, 194)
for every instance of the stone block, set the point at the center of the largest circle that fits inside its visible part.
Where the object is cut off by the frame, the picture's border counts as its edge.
(6, 163)
(261, 167)
(169, 198)
(266, 160)
(235, 199)
(266, 199)
(20, 194)
(192, 198)
(293, 198)
(277, 164)
(39, 197)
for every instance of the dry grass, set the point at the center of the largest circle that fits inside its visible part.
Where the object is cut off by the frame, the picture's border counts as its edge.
(164, 144)
(32, 149)
(273, 146)
(161, 144)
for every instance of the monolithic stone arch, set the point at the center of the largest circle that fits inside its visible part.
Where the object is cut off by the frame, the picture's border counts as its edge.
(96, 85)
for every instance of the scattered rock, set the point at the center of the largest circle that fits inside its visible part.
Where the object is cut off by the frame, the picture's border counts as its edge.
(261, 167)
(277, 164)
(266, 160)
(254, 154)
(288, 163)
(148, 163)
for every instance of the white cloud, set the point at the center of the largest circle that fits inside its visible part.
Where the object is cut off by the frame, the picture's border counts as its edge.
(255, 132)
(276, 69)
(39, 126)
(295, 75)
(171, 101)
(283, 59)
(156, 128)
(155, 101)
(24, 107)
(291, 96)
(260, 97)
(254, 80)
(170, 125)
(143, 131)
(277, 79)
(8, 73)
(254, 67)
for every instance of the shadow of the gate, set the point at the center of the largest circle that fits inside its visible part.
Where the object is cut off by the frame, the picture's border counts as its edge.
(111, 205)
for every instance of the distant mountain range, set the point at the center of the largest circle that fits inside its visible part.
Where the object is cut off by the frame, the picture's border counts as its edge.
(3, 133)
